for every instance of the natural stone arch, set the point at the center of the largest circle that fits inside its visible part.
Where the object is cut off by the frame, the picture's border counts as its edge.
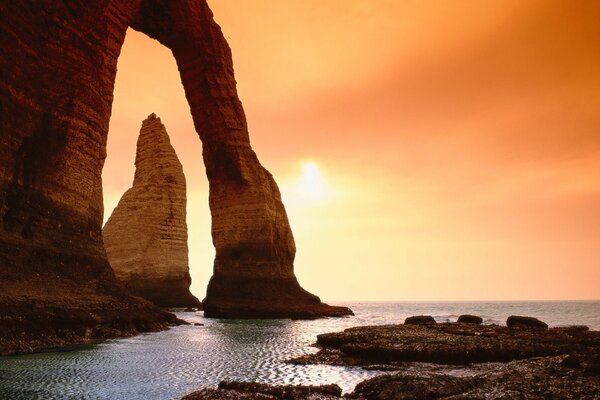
(58, 68)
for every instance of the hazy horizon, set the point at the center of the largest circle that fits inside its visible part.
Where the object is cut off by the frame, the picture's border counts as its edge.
(424, 151)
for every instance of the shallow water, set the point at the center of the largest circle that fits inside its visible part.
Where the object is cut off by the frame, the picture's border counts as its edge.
(169, 364)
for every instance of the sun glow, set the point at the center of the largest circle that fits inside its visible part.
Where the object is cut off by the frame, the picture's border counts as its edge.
(310, 187)
(311, 183)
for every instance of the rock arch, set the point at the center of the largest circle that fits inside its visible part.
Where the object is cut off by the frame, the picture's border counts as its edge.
(58, 66)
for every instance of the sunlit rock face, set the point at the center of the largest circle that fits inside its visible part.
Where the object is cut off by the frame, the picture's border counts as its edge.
(146, 235)
(57, 72)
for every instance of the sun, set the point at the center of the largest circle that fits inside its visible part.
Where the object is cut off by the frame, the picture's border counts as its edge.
(311, 186)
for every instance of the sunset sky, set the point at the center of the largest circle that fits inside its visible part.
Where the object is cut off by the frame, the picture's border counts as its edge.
(425, 150)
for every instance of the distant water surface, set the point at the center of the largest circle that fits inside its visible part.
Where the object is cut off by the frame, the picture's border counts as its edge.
(170, 364)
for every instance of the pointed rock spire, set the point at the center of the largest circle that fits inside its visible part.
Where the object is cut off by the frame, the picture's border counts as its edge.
(146, 235)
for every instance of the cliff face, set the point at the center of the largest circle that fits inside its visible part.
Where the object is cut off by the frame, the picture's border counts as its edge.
(146, 236)
(57, 72)
(57, 69)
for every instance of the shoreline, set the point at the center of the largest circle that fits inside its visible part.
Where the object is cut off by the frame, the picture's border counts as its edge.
(260, 355)
(450, 360)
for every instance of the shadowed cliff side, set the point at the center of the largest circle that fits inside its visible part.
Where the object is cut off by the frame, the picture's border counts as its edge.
(57, 71)
(146, 235)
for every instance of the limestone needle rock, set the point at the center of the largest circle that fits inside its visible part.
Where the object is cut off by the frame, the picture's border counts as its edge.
(146, 235)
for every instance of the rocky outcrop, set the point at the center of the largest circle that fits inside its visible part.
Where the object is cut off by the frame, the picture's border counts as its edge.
(466, 361)
(57, 73)
(146, 235)
(470, 319)
(535, 378)
(419, 320)
(261, 391)
(455, 343)
(445, 361)
(516, 321)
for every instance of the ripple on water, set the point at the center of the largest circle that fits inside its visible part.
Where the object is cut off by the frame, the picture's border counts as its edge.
(169, 364)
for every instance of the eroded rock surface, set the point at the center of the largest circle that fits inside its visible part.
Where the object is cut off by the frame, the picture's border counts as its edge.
(448, 343)
(467, 361)
(470, 319)
(525, 322)
(261, 391)
(146, 235)
(419, 320)
(534, 378)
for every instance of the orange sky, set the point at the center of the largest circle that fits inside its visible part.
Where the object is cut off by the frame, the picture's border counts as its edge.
(426, 150)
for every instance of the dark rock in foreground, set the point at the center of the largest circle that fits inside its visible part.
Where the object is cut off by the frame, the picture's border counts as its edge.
(261, 391)
(470, 319)
(515, 321)
(457, 344)
(447, 361)
(39, 322)
(536, 378)
(467, 361)
(419, 320)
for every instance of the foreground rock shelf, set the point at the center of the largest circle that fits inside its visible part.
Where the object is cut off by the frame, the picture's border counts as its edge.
(259, 391)
(447, 361)
(46, 319)
(457, 344)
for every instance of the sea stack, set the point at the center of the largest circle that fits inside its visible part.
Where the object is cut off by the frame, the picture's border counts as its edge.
(146, 235)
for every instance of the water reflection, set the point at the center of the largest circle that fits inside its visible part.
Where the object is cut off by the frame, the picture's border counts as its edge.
(167, 365)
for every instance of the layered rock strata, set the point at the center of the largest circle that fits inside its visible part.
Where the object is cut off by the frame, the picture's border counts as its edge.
(146, 235)
(57, 73)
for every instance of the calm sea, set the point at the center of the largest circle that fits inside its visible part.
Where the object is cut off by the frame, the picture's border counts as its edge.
(167, 365)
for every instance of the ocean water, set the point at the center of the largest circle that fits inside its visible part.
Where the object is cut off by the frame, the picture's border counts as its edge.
(170, 364)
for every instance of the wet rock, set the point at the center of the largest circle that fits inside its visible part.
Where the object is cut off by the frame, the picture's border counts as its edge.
(589, 362)
(146, 235)
(34, 326)
(419, 320)
(250, 390)
(470, 319)
(198, 324)
(538, 378)
(407, 387)
(515, 321)
(572, 361)
(534, 378)
(573, 328)
(457, 344)
(466, 361)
